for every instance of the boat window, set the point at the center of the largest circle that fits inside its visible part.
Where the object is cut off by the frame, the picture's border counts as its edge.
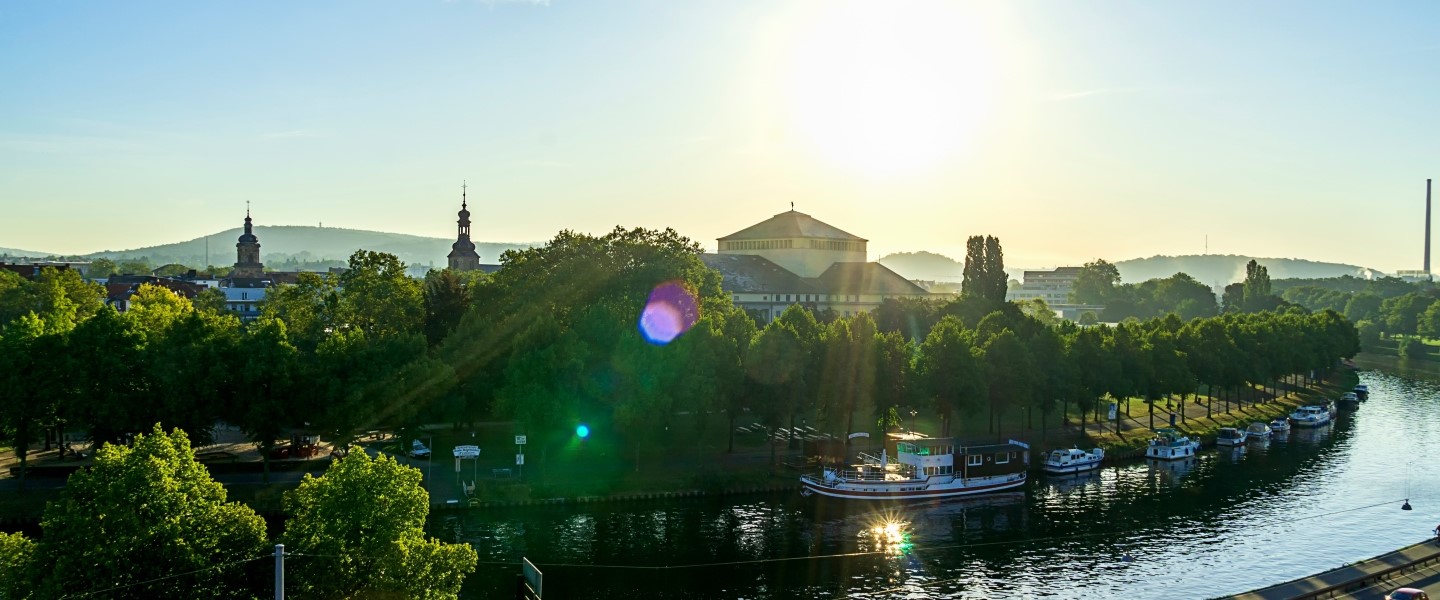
(975, 460)
(1002, 458)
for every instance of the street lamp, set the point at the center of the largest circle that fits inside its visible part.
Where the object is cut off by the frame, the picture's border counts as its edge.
(430, 468)
(913, 412)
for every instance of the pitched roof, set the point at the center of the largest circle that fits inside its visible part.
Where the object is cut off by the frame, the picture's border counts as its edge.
(865, 278)
(747, 273)
(791, 225)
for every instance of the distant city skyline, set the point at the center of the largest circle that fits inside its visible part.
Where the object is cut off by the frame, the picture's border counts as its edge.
(1071, 131)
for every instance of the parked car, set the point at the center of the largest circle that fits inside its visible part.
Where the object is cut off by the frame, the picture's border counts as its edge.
(1407, 594)
(418, 450)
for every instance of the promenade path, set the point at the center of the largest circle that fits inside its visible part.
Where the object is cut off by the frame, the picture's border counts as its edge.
(1359, 580)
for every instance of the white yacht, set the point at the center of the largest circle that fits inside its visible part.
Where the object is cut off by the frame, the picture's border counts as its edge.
(1281, 425)
(1169, 444)
(1310, 416)
(1074, 460)
(924, 469)
(1258, 431)
(1230, 436)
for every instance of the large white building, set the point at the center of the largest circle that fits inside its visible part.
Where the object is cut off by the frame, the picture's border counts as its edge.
(1051, 286)
(793, 258)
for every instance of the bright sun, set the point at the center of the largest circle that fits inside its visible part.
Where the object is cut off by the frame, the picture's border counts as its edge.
(889, 88)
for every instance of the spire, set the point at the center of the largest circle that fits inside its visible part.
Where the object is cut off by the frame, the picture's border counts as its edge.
(462, 194)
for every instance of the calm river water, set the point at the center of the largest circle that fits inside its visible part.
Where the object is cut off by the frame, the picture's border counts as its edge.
(1226, 522)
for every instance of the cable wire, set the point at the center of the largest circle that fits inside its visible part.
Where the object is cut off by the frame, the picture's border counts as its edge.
(172, 576)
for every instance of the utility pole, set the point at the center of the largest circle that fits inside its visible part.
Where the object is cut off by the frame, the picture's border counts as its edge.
(279, 571)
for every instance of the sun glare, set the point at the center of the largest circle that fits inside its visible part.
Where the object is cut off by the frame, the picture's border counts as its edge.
(889, 88)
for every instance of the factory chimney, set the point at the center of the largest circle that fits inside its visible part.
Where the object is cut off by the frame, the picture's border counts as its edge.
(1427, 230)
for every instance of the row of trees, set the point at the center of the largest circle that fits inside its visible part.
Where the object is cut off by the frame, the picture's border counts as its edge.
(551, 340)
(147, 521)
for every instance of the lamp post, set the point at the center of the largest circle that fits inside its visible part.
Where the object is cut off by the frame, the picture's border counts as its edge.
(430, 468)
(913, 412)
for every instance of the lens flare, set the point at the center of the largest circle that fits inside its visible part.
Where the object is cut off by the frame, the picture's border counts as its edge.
(583, 431)
(670, 311)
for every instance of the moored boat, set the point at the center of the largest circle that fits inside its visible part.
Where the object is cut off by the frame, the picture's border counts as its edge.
(1073, 460)
(1257, 431)
(1281, 425)
(1310, 416)
(1362, 391)
(925, 469)
(1349, 401)
(1169, 444)
(1230, 436)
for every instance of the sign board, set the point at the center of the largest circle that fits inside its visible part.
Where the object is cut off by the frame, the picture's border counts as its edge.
(467, 452)
(519, 460)
(532, 576)
(519, 440)
(860, 434)
(1113, 408)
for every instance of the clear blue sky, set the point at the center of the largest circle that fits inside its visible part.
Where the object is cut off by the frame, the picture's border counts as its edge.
(1071, 130)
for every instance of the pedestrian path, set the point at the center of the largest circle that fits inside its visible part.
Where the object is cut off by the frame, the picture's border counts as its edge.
(1337, 582)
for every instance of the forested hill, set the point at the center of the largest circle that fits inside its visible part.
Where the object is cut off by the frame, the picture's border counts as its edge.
(4, 252)
(304, 243)
(1218, 270)
(1215, 270)
(924, 265)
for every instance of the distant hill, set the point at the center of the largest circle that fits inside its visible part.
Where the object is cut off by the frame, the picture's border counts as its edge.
(1219, 270)
(13, 252)
(923, 265)
(304, 243)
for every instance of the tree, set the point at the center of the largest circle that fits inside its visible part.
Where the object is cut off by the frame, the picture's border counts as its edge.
(377, 296)
(101, 268)
(446, 300)
(150, 513)
(269, 377)
(363, 524)
(212, 300)
(984, 272)
(1009, 374)
(1363, 306)
(950, 369)
(309, 308)
(1095, 283)
(16, 554)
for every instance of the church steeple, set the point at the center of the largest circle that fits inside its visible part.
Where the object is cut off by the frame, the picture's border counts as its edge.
(462, 253)
(247, 252)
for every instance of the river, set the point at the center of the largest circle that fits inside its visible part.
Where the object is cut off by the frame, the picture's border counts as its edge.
(1226, 522)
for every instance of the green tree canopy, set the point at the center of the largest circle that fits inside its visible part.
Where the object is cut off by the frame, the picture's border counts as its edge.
(148, 516)
(359, 532)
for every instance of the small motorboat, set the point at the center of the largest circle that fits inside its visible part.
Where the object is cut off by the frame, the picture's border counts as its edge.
(1349, 401)
(1257, 431)
(1281, 425)
(1230, 436)
(1169, 444)
(1074, 460)
(1362, 391)
(1311, 416)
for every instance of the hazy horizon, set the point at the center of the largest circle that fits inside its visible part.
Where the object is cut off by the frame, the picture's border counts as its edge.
(1072, 131)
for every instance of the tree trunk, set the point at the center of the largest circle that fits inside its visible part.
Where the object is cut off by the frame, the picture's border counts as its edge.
(22, 448)
(731, 434)
(1152, 413)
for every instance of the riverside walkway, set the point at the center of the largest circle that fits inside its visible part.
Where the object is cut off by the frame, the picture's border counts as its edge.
(1372, 578)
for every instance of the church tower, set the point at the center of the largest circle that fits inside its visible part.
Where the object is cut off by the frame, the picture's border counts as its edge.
(462, 252)
(247, 253)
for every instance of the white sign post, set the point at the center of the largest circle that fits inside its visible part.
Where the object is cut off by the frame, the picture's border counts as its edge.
(520, 454)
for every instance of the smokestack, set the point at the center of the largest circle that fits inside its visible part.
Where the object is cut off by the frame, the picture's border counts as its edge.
(1427, 228)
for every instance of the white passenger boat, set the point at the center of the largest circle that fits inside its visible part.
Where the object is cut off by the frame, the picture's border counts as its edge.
(925, 469)
(1169, 444)
(1281, 425)
(1310, 416)
(1074, 460)
(1230, 436)
(1257, 431)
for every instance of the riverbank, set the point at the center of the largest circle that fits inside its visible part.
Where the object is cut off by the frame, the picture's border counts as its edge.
(600, 473)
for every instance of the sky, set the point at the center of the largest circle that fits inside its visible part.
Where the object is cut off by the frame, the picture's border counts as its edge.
(1070, 130)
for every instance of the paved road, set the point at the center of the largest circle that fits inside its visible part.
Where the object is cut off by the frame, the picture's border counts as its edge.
(1427, 579)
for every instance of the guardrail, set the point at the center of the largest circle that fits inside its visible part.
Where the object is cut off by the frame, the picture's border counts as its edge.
(1372, 578)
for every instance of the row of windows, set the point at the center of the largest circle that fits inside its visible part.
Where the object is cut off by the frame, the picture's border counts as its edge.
(809, 298)
(242, 307)
(758, 245)
(837, 245)
(975, 460)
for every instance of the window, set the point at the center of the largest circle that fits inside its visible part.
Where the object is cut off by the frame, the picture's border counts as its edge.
(1002, 458)
(244, 295)
(975, 460)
